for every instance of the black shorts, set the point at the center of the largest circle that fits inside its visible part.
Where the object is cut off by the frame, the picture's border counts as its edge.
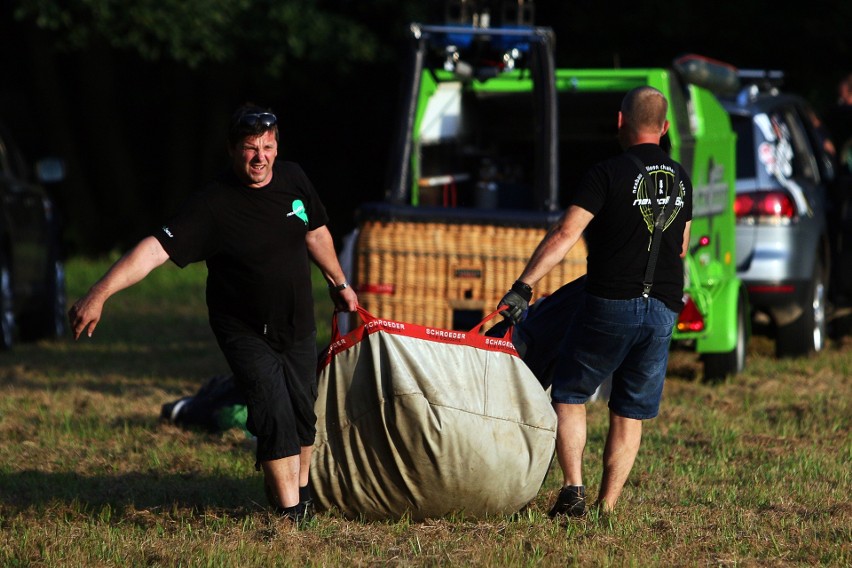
(280, 387)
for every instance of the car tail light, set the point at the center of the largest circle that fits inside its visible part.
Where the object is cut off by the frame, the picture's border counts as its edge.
(772, 289)
(765, 208)
(690, 318)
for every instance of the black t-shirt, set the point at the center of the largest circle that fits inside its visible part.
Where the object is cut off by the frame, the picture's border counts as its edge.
(838, 122)
(253, 240)
(619, 236)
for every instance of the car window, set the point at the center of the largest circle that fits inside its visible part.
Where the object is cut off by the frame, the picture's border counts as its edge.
(11, 161)
(804, 164)
(783, 148)
(745, 146)
(818, 141)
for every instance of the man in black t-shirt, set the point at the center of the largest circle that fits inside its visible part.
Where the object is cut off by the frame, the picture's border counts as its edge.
(622, 329)
(257, 226)
(838, 121)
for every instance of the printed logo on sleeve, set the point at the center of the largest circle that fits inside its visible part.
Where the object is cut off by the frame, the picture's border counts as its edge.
(299, 211)
(168, 231)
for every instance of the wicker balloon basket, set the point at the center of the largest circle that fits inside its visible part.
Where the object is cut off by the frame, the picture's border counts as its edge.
(448, 274)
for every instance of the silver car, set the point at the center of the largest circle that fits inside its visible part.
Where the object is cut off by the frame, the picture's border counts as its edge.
(783, 176)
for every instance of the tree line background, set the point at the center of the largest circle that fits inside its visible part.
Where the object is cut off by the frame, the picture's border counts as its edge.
(135, 95)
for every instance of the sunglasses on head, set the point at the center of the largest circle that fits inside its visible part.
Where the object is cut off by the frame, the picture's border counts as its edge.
(255, 119)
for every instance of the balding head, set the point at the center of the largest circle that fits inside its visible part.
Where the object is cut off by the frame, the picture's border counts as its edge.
(643, 116)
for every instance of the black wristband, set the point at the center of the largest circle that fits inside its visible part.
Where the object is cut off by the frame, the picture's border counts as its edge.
(522, 289)
(340, 287)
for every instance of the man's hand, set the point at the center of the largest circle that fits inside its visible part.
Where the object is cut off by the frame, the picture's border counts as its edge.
(518, 301)
(345, 300)
(85, 314)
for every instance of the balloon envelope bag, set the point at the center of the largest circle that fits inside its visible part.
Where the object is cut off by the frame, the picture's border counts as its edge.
(419, 421)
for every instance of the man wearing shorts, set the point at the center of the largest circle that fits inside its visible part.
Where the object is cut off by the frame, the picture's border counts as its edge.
(257, 226)
(620, 331)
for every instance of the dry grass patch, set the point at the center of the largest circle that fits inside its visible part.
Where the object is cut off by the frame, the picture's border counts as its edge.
(753, 471)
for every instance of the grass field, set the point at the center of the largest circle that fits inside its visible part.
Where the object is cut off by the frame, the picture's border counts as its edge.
(756, 471)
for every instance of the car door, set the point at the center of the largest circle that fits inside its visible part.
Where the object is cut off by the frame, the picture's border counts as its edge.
(804, 183)
(24, 223)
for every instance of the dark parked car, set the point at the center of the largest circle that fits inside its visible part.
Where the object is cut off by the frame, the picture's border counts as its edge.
(783, 179)
(32, 274)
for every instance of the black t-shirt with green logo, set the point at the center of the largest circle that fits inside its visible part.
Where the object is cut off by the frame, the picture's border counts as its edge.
(253, 240)
(619, 236)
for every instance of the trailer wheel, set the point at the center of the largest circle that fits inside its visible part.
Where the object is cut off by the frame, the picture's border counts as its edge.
(717, 366)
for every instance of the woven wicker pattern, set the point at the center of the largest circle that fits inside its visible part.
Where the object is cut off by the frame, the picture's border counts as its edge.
(424, 272)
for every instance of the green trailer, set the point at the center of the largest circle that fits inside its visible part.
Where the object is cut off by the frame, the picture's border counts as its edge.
(492, 137)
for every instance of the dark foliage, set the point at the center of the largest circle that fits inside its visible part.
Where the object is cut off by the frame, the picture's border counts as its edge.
(136, 99)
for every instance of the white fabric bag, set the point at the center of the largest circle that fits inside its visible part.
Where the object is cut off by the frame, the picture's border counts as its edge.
(424, 421)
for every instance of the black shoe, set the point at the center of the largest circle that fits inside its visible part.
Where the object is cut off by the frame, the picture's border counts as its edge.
(299, 514)
(306, 501)
(170, 411)
(571, 502)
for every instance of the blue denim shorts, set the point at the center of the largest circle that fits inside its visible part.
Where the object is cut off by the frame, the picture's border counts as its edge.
(625, 339)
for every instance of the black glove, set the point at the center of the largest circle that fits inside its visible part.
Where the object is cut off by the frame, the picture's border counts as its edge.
(518, 300)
